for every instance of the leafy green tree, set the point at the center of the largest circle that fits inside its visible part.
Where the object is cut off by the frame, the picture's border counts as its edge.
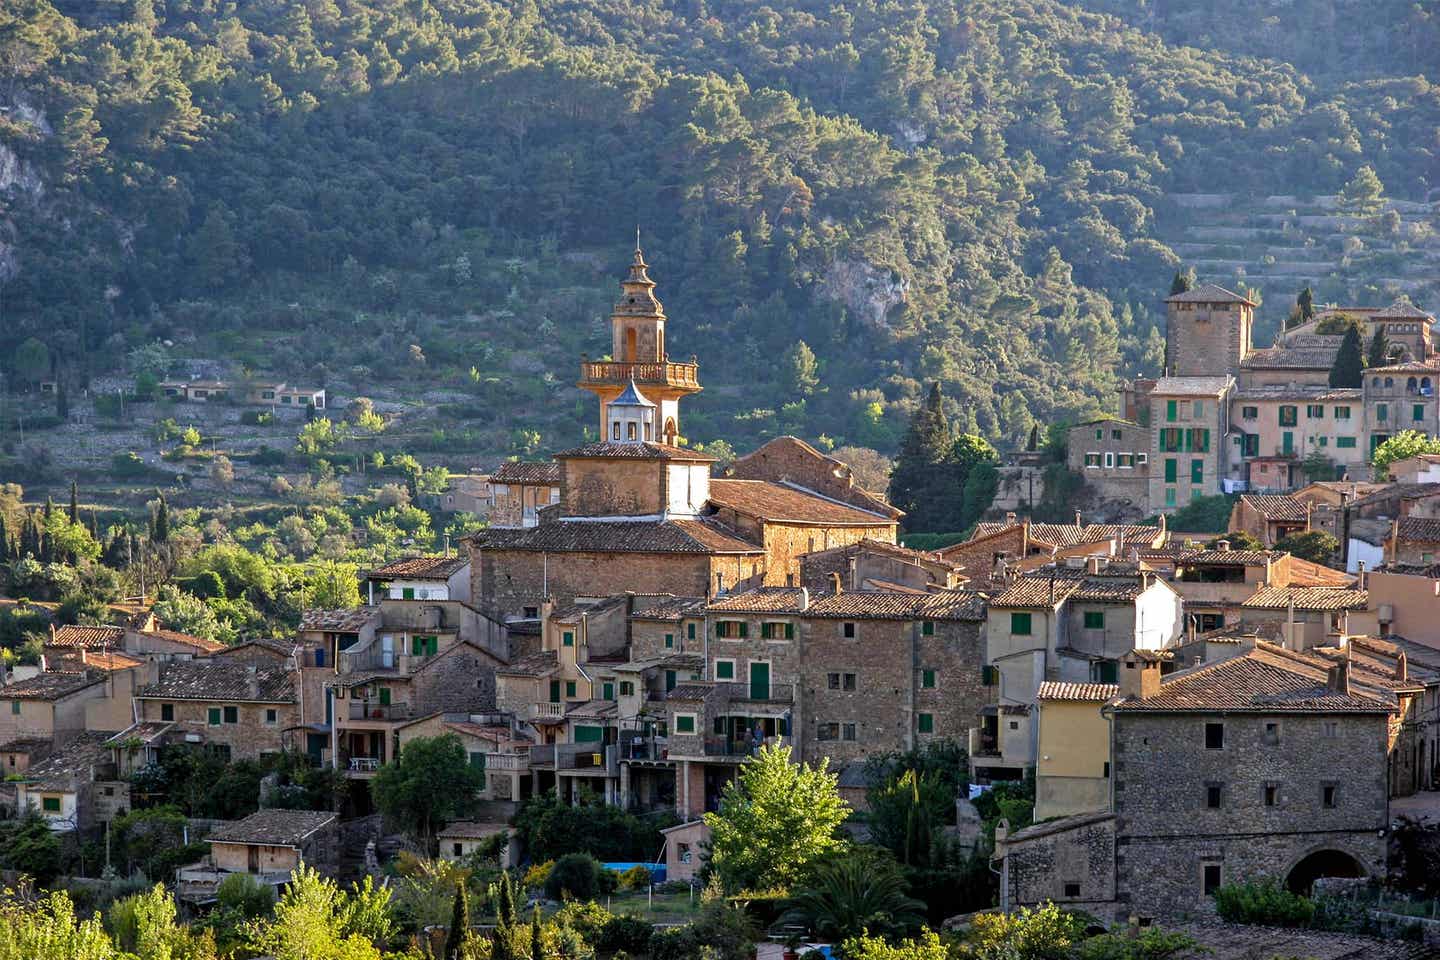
(802, 370)
(47, 928)
(1317, 546)
(1402, 446)
(774, 818)
(333, 586)
(575, 876)
(160, 522)
(1378, 354)
(905, 813)
(31, 361)
(1151, 944)
(1045, 933)
(854, 891)
(927, 946)
(1348, 369)
(429, 783)
(315, 920)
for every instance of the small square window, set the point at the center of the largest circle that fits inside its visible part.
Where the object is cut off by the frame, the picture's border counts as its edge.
(927, 679)
(570, 689)
(1020, 624)
(272, 716)
(1330, 729)
(1214, 736)
(684, 723)
(1094, 620)
(850, 681)
(925, 723)
(1211, 878)
(1072, 890)
(724, 669)
(212, 716)
(568, 638)
(1272, 795)
(927, 628)
(1214, 793)
(847, 732)
(833, 681)
(167, 711)
(50, 804)
(847, 630)
(232, 714)
(1272, 733)
(669, 641)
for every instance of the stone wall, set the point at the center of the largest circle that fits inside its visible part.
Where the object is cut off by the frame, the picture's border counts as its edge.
(612, 488)
(247, 738)
(1071, 863)
(1168, 834)
(511, 580)
(794, 460)
(1207, 340)
(462, 681)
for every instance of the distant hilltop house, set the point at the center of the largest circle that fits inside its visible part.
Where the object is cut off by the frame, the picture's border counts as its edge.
(260, 393)
(1228, 417)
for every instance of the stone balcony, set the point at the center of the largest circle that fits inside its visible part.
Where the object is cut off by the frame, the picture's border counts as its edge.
(684, 376)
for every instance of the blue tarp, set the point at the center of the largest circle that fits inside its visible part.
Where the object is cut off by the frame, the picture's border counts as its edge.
(657, 870)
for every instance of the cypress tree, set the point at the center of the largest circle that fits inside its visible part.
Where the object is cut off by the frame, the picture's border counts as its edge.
(915, 483)
(161, 531)
(1378, 354)
(62, 404)
(459, 923)
(1306, 303)
(1184, 280)
(1349, 369)
(4, 538)
(49, 508)
(74, 503)
(537, 945)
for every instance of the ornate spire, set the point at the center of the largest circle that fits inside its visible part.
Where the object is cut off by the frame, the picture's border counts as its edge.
(637, 290)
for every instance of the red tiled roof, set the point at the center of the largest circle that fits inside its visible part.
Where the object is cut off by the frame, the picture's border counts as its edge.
(781, 502)
(89, 637)
(1418, 530)
(625, 536)
(640, 450)
(348, 620)
(762, 600)
(1307, 598)
(1275, 506)
(1256, 681)
(544, 473)
(1208, 293)
(1035, 592)
(175, 636)
(1097, 692)
(420, 568)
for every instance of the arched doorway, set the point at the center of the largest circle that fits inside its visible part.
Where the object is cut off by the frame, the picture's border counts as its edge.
(1322, 863)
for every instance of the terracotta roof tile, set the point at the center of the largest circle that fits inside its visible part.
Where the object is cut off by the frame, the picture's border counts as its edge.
(1254, 681)
(1290, 358)
(625, 536)
(1086, 692)
(274, 827)
(1274, 506)
(1035, 592)
(898, 605)
(420, 568)
(667, 608)
(762, 600)
(606, 450)
(220, 680)
(535, 665)
(91, 638)
(1192, 386)
(544, 473)
(1233, 558)
(50, 685)
(690, 691)
(767, 500)
(189, 640)
(1419, 530)
(348, 620)
(1401, 310)
(1208, 293)
(73, 765)
(1307, 598)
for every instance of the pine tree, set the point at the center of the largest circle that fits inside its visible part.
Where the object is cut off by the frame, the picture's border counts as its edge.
(161, 530)
(1378, 354)
(916, 482)
(459, 923)
(62, 404)
(537, 945)
(74, 503)
(1349, 369)
(1184, 280)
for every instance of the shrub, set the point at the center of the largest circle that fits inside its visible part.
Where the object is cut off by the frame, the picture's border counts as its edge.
(636, 878)
(1263, 902)
(245, 894)
(576, 876)
(721, 932)
(537, 875)
(630, 934)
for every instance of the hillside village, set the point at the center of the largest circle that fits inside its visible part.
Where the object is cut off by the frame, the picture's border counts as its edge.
(1168, 715)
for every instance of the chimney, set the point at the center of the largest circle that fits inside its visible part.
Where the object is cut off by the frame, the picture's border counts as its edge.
(804, 599)
(719, 584)
(1402, 666)
(253, 681)
(1338, 677)
(835, 583)
(1010, 519)
(1139, 675)
(852, 572)
(1190, 624)
(84, 657)
(547, 607)
(1222, 545)
(1360, 574)
(1077, 519)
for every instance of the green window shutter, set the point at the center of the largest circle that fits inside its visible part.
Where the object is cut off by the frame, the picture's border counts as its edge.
(15, 706)
(789, 631)
(717, 629)
(569, 689)
(1171, 469)
(684, 724)
(477, 760)
(719, 726)
(589, 734)
(417, 645)
(690, 631)
(554, 691)
(669, 641)
(568, 638)
(408, 593)
(927, 628)
(925, 723)
(50, 804)
(213, 716)
(1171, 409)
(724, 670)
(1418, 412)
(927, 679)
(1020, 624)
(1094, 620)
(988, 676)
(1345, 442)
(744, 629)
(384, 696)
(1382, 411)
(1197, 471)
(607, 691)
(669, 680)
(232, 714)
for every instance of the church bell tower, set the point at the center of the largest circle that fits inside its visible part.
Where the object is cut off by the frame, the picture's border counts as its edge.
(638, 358)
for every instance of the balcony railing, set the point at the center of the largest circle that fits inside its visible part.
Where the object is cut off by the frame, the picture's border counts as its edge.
(730, 747)
(772, 693)
(643, 748)
(542, 755)
(617, 371)
(374, 710)
(507, 762)
(365, 764)
(547, 711)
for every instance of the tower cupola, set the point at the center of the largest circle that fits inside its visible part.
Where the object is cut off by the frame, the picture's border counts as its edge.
(631, 416)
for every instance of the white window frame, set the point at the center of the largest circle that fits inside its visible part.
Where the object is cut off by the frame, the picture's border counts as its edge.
(694, 719)
(1109, 460)
(715, 669)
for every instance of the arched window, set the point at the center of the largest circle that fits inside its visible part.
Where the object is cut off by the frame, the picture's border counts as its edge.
(1410, 385)
(1389, 381)
(1375, 382)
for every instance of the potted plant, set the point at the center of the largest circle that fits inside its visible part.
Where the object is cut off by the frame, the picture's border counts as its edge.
(792, 947)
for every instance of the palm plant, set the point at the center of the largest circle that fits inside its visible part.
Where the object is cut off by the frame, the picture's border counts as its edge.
(852, 892)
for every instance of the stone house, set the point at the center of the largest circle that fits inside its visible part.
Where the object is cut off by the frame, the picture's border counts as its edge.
(879, 565)
(468, 493)
(1313, 614)
(520, 489)
(269, 845)
(152, 643)
(1189, 419)
(76, 787)
(1072, 765)
(49, 706)
(1208, 332)
(1215, 581)
(1400, 397)
(1413, 541)
(463, 838)
(491, 743)
(422, 578)
(1277, 427)
(1113, 457)
(241, 710)
(1422, 468)
(1269, 517)
(684, 844)
(1069, 861)
(1407, 329)
(1327, 500)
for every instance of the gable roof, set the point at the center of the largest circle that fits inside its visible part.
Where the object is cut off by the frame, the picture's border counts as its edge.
(92, 638)
(1079, 692)
(50, 685)
(667, 607)
(1401, 310)
(420, 568)
(790, 459)
(273, 828)
(1276, 506)
(219, 680)
(1255, 681)
(783, 502)
(635, 450)
(1192, 386)
(1307, 598)
(544, 473)
(762, 600)
(1208, 293)
(348, 620)
(622, 536)
(899, 605)
(1040, 591)
(1418, 530)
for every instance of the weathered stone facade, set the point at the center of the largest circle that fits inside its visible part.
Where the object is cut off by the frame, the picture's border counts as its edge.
(1113, 457)
(1208, 332)
(1070, 862)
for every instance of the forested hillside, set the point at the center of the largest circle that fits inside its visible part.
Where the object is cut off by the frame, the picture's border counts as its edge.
(442, 193)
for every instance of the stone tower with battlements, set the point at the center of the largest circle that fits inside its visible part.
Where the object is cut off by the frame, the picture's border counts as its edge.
(1208, 332)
